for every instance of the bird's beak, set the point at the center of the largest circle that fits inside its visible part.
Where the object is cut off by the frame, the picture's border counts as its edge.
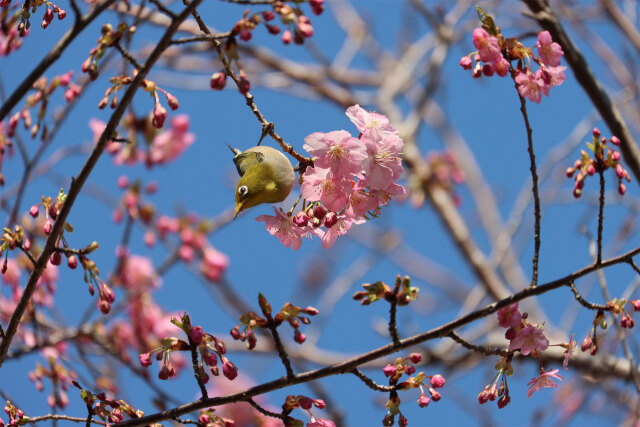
(238, 209)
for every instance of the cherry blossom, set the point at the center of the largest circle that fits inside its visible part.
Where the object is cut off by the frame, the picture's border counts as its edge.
(545, 380)
(528, 340)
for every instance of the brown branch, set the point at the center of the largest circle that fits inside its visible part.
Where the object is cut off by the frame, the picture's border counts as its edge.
(370, 383)
(349, 365)
(585, 303)
(77, 183)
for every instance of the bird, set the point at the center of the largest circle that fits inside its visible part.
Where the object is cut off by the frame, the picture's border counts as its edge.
(266, 176)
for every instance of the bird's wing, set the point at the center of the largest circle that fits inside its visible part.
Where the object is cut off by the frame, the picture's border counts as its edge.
(247, 159)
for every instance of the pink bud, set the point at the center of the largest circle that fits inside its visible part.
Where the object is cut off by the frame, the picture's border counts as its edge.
(300, 219)
(55, 258)
(615, 140)
(389, 370)
(273, 29)
(465, 62)
(229, 370)
(62, 14)
(437, 381)
(622, 188)
(245, 35)
(409, 370)
(145, 359)
(34, 211)
(636, 304)
(423, 401)
(415, 358)
(487, 70)
(172, 101)
(287, 37)
(330, 219)
(268, 15)
(504, 401)
(159, 116)
(72, 262)
(596, 132)
(196, 334)
(299, 337)
(244, 86)
(218, 81)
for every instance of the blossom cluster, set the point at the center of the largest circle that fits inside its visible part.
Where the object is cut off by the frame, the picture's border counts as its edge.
(108, 38)
(405, 366)
(10, 37)
(529, 340)
(604, 157)
(305, 403)
(59, 376)
(289, 313)
(402, 293)
(156, 148)
(523, 336)
(29, 8)
(293, 18)
(16, 416)
(495, 53)
(352, 178)
(109, 410)
(43, 89)
(208, 346)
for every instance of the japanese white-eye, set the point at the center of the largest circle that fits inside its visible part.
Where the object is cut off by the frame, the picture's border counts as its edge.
(266, 176)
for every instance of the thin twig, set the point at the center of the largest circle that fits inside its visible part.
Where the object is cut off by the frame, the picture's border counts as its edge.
(393, 328)
(587, 304)
(127, 55)
(477, 348)
(600, 217)
(284, 357)
(370, 383)
(265, 411)
(534, 187)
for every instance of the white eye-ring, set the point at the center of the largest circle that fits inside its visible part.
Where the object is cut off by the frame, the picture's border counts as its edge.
(243, 190)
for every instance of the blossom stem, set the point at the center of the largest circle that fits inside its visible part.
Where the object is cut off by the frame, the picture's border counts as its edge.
(393, 328)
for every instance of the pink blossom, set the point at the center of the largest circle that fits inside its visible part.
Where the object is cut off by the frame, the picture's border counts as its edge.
(339, 228)
(487, 45)
(282, 226)
(383, 197)
(168, 145)
(509, 316)
(529, 86)
(529, 339)
(361, 201)
(545, 380)
(365, 120)
(137, 273)
(214, 263)
(320, 422)
(320, 184)
(549, 51)
(336, 150)
(383, 165)
(570, 348)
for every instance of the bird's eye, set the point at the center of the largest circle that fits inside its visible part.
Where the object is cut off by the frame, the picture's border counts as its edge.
(243, 190)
